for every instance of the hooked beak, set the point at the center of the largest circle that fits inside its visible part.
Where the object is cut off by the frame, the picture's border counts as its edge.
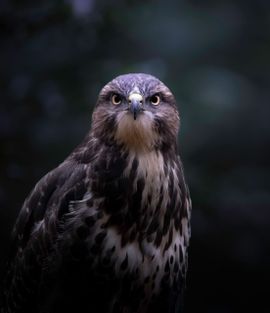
(135, 101)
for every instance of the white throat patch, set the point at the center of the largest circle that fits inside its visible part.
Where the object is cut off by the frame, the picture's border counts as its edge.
(136, 134)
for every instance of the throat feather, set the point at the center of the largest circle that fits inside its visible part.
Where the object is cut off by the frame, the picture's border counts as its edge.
(146, 172)
(138, 135)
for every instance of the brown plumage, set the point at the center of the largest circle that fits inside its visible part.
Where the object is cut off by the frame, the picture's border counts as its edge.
(108, 229)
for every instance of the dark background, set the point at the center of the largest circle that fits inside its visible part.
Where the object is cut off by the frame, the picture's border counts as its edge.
(214, 55)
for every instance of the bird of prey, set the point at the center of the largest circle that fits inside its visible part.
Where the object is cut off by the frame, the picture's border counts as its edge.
(108, 229)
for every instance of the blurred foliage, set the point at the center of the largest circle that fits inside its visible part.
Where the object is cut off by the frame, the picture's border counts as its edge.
(56, 55)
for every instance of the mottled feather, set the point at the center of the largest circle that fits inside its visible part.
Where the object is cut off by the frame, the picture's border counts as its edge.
(108, 229)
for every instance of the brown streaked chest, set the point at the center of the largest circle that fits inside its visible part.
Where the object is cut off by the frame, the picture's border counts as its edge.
(147, 172)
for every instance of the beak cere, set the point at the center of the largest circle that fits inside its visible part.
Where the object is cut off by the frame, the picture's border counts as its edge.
(135, 101)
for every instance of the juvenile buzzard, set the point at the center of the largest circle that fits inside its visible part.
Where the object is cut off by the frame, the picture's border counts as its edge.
(108, 229)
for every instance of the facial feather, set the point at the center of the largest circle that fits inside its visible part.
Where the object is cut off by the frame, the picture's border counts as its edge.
(136, 135)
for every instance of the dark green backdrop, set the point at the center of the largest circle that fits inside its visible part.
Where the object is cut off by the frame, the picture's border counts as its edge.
(214, 55)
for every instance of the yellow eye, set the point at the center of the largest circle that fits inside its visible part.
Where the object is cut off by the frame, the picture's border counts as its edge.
(116, 99)
(155, 99)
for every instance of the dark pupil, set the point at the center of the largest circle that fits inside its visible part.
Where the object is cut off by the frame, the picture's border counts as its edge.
(117, 98)
(154, 99)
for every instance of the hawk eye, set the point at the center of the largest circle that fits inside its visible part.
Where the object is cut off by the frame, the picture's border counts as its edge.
(116, 99)
(155, 99)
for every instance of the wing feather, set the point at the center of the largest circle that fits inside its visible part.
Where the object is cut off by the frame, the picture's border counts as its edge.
(36, 231)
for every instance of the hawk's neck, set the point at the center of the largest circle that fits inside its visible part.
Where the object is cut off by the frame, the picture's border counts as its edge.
(139, 190)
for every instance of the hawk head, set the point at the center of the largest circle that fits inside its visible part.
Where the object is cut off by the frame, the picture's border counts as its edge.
(137, 111)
